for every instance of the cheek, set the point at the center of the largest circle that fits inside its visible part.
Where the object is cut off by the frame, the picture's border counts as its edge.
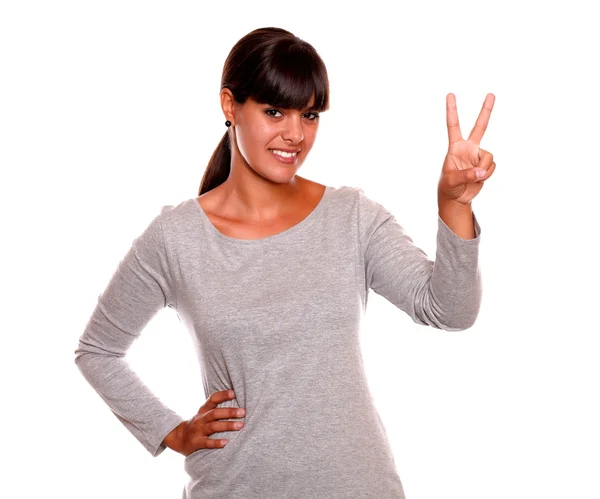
(309, 139)
(255, 139)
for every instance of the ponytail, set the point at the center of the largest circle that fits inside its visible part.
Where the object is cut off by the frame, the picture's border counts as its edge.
(218, 167)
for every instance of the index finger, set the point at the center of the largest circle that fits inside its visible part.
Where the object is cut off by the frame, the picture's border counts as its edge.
(483, 119)
(452, 119)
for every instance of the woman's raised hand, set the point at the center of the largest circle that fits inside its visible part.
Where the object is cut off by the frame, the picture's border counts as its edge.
(192, 435)
(459, 181)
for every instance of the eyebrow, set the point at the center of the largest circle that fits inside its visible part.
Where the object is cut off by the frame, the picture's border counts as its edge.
(308, 108)
(311, 108)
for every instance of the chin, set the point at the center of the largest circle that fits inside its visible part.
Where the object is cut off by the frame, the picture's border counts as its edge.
(281, 176)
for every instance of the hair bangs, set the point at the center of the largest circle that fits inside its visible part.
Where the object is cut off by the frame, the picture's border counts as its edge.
(290, 78)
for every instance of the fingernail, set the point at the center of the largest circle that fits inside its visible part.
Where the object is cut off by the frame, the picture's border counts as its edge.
(480, 173)
(231, 393)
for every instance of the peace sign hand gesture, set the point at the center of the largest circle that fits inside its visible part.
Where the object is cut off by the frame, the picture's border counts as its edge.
(459, 181)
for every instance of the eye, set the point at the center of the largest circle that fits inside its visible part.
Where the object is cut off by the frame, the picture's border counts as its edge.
(269, 111)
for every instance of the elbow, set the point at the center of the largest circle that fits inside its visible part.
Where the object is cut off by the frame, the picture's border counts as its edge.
(88, 355)
(460, 313)
(83, 359)
(458, 326)
(460, 320)
(83, 350)
(454, 319)
(449, 312)
(78, 353)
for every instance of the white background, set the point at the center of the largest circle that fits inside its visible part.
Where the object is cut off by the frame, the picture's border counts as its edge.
(109, 110)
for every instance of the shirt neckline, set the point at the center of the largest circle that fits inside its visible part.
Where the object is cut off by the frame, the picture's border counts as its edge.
(275, 237)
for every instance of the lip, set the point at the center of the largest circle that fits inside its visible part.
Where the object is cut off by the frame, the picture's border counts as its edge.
(284, 149)
(286, 161)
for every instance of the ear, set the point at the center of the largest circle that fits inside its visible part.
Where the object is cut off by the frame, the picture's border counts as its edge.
(228, 105)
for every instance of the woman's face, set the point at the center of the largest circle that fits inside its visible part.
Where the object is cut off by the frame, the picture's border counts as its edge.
(259, 129)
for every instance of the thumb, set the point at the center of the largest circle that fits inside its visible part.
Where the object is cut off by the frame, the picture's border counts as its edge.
(470, 175)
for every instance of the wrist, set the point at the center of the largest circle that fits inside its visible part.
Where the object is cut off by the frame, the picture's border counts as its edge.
(451, 204)
(175, 437)
(458, 217)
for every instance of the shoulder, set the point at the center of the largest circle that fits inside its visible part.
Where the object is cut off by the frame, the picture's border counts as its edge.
(173, 218)
(172, 211)
(346, 195)
(356, 198)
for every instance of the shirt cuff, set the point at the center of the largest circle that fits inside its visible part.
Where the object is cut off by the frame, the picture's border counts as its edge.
(157, 447)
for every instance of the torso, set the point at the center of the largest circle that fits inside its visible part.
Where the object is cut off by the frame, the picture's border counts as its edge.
(245, 230)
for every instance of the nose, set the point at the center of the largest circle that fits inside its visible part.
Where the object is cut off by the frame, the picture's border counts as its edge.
(293, 131)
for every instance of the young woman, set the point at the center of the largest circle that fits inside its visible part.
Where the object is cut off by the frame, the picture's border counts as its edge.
(270, 273)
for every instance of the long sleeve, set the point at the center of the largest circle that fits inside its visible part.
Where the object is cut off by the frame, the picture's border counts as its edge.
(140, 287)
(445, 293)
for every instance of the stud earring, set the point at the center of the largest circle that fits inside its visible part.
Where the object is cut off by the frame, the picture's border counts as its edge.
(228, 123)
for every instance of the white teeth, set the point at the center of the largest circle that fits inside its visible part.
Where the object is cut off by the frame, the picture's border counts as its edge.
(284, 154)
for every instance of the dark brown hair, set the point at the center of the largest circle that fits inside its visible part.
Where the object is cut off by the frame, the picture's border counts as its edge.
(268, 65)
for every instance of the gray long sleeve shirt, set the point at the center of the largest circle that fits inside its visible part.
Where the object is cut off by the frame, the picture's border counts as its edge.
(277, 320)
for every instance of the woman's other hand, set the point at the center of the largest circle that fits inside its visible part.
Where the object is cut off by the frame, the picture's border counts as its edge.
(192, 435)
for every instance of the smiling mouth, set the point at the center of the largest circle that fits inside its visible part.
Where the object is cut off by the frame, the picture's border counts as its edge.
(285, 154)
